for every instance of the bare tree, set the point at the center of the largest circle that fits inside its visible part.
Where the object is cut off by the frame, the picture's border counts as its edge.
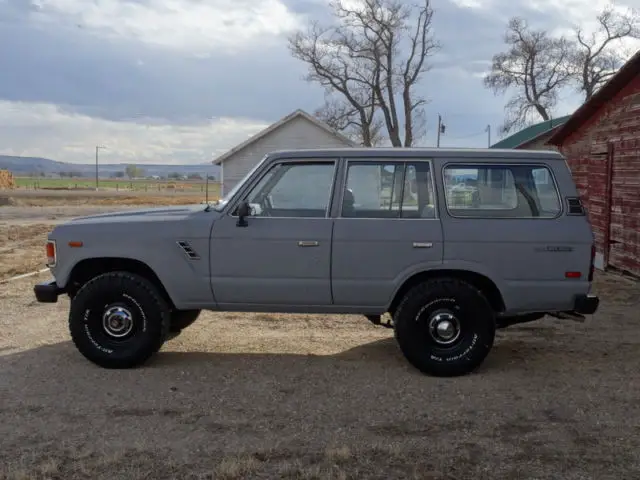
(365, 129)
(372, 58)
(597, 57)
(537, 66)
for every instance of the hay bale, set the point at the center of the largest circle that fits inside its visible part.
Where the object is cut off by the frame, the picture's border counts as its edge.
(6, 180)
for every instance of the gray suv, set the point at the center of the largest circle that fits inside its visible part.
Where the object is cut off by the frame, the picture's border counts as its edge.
(452, 244)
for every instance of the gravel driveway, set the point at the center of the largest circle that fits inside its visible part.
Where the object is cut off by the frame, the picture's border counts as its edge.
(295, 396)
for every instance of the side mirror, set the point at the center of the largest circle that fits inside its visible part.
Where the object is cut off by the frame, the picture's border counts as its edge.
(243, 211)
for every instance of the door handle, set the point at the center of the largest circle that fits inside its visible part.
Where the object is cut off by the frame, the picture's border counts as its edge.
(308, 243)
(422, 244)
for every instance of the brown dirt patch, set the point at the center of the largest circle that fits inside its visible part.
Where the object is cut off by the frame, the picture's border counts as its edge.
(309, 396)
(22, 248)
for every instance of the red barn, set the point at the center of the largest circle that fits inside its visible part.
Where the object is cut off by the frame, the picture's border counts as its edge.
(601, 142)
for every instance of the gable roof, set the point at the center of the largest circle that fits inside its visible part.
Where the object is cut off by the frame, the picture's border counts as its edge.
(530, 133)
(621, 79)
(271, 128)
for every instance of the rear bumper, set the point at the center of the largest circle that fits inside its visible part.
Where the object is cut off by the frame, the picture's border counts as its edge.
(586, 304)
(47, 292)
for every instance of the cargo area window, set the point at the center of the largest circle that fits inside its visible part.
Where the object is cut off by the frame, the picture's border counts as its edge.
(501, 191)
(385, 189)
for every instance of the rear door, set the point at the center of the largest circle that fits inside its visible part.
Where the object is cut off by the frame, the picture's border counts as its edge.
(387, 228)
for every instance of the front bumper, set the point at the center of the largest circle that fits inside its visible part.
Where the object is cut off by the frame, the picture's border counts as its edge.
(47, 292)
(586, 304)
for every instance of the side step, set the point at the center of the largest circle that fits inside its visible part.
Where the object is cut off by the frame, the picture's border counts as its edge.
(576, 317)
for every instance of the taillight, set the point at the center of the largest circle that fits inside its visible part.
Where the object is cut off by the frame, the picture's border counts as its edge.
(51, 253)
(592, 266)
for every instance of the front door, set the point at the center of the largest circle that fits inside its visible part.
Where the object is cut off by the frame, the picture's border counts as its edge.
(387, 230)
(283, 256)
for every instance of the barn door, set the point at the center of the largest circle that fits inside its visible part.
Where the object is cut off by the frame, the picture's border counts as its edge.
(622, 222)
(608, 205)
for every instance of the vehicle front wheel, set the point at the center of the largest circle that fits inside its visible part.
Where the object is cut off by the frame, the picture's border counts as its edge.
(118, 320)
(445, 327)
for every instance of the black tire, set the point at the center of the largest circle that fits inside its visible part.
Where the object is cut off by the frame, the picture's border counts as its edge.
(130, 343)
(471, 312)
(181, 319)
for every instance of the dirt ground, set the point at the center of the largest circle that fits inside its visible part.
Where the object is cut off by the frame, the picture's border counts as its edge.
(296, 396)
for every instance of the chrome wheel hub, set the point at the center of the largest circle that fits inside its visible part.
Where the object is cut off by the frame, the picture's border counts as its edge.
(117, 322)
(444, 328)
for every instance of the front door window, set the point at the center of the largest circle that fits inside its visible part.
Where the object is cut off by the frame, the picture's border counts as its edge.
(300, 190)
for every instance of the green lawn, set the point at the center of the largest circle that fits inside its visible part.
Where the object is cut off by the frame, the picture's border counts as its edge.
(120, 184)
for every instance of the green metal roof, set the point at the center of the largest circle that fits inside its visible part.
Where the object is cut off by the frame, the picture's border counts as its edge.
(529, 133)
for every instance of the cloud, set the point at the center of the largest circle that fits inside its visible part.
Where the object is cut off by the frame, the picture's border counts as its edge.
(190, 26)
(122, 79)
(45, 130)
(182, 80)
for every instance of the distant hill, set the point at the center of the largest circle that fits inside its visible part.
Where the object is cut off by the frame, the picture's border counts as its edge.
(25, 166)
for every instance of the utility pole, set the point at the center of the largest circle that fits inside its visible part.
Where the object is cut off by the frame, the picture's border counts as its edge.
(489, 136)
(440, 130)
(98, 147)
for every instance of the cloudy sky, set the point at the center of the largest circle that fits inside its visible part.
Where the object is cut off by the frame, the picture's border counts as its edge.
(181, 81)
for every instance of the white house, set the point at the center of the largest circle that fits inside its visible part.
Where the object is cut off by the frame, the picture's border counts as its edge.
(296, 130)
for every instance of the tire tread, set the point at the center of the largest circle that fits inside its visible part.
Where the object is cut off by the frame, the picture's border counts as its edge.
(120, 279)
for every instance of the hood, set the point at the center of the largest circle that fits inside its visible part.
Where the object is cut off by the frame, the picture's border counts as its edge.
(143, 214)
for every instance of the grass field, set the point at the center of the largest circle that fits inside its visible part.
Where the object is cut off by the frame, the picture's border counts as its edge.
(147, 185)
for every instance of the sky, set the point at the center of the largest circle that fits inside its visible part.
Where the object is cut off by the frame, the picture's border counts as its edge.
(182, 81)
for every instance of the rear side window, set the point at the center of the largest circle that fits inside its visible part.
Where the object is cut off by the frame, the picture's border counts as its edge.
(501, 191)
(388, 189)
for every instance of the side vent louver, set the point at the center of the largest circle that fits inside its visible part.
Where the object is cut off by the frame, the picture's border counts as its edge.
(188, 250)
(575, 207)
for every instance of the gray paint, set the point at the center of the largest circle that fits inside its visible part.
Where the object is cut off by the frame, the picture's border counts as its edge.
(358, 264)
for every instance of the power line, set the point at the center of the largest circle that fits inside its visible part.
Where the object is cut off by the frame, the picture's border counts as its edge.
(482, 132)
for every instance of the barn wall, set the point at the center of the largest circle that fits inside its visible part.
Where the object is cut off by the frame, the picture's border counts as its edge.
(298, 133)
(618, 123)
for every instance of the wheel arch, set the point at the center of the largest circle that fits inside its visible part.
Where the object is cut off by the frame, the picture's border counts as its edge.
(88, 268)
(483, 283)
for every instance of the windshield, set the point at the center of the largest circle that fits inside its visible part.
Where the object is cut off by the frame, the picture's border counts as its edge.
(224, 200)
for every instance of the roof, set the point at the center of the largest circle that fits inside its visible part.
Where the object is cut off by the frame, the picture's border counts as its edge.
(530, 133)
(263, 133)
(627, 73)
(418, 152)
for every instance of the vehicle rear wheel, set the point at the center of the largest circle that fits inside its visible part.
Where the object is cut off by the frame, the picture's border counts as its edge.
(445, 327)
(181, 319)
(118, 320)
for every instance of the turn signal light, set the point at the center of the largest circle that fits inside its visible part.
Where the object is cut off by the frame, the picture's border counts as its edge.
(572, 274)
(51, 253)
